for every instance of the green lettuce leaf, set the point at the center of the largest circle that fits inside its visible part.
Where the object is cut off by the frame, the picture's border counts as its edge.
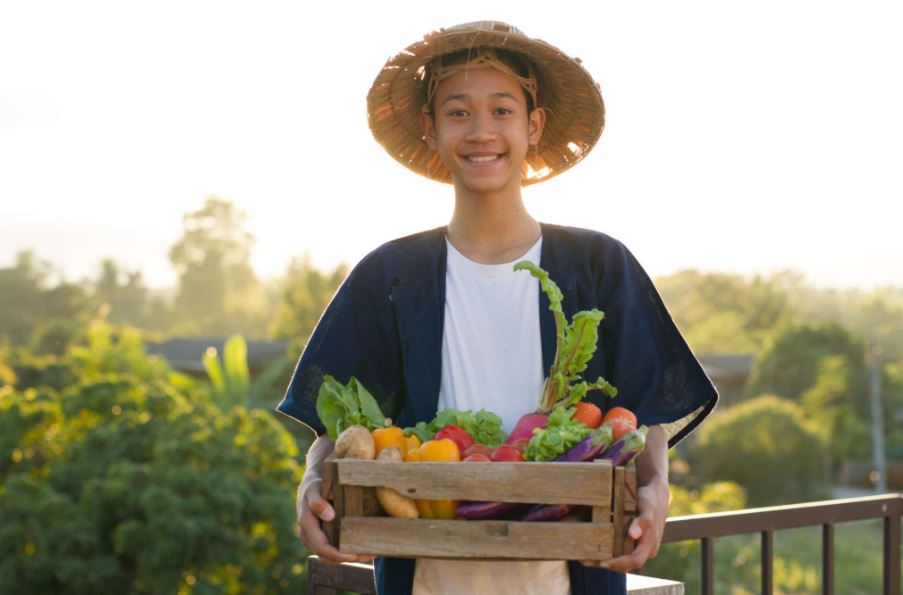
(339, 407)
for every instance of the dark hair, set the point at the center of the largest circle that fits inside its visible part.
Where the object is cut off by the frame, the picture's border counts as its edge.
(514, 61)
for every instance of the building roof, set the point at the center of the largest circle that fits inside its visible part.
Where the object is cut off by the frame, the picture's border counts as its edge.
(731, 366)
(185, 354)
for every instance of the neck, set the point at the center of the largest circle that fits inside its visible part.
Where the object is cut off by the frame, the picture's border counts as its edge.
(492, 228)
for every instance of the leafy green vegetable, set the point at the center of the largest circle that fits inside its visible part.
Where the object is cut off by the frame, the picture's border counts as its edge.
(341, 406)
(483, 426)
(557, 438)
(576, 344)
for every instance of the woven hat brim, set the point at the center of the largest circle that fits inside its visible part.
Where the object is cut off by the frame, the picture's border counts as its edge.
(575, 113)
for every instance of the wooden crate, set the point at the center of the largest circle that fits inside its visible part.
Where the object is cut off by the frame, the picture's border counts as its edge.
(360, 526)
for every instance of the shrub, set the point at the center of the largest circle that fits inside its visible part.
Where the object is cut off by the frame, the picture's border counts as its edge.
(124, 483)
(763, 446)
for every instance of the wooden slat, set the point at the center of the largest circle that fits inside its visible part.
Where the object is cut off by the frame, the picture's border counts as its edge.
(326, 578)
(332, 528)
(329, 477)
(371, 504)
(617, 510)
(354, 501)
(550, 483)
(630, 489)
(602, 512)
(469, 539)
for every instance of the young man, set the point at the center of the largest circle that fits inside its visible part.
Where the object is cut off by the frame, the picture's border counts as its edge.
(440, 319)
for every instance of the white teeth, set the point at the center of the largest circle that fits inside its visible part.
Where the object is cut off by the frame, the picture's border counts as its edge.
(482, 159)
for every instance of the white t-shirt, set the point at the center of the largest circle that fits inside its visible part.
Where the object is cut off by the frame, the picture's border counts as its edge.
(492, 359)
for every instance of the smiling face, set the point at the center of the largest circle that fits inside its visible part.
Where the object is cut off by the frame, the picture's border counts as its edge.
(481, 129)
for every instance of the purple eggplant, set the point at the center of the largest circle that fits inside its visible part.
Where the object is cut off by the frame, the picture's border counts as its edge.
(588, 448)
(547, 512)
(477, 511)
(629, 446)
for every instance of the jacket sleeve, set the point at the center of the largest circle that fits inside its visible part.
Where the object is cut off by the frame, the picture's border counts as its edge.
(356, 336)
(650, 363)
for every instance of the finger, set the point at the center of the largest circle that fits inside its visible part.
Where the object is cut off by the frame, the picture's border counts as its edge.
(595, 563)
(315, 540)
(320, 507)
(640, 526)
(633, 560)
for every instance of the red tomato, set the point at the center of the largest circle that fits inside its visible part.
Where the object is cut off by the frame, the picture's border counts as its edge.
(588, 414)
(477, 457)
(622, 413)
(477, 449)
(506, 452)
(619, 427)
(521, 444)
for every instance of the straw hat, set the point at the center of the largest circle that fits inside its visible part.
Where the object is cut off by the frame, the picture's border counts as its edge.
(575, 114)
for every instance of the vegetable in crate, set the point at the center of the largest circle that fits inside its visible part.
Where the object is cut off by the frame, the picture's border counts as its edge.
(391, 501)
(339, 407)
(435, 450)
(393, 436)
(483, 427)
(627, 448)
(576, 343)
(552, 429)
(456, 434)
(355, 442)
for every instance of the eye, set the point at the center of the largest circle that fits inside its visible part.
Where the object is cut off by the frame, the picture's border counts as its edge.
(503, 111)
(458, 113)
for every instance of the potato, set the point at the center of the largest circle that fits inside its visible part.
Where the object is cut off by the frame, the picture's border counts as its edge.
(392, 502)
(355, 442)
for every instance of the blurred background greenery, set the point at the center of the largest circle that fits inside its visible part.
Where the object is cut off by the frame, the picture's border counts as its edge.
(139, 451)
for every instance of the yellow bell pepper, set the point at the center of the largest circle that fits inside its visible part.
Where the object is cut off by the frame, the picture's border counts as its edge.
(391, 436)
(436, 450)
(411, 441)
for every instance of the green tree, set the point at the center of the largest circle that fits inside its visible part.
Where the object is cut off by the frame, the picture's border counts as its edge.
(30, 297)
(789, 367)
(218, 292)
(123, 293)
(725, 313)
(838, 405)
(306, 291)
(764, 446)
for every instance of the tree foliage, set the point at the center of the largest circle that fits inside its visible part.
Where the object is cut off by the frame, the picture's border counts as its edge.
(790, 365)
(218, 291)
(131, 480)
(764, 446)
(30, 296)
(305, 293)
(725, 313)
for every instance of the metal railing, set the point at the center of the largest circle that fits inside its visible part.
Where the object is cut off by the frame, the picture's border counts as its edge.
(706, 527)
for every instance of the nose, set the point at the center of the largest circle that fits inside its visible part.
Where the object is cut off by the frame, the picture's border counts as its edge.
(482, 129)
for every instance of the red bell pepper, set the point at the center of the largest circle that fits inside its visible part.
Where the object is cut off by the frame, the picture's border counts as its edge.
(456, 434)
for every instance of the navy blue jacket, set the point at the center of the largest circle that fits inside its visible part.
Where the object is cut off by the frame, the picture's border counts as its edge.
(384, 326)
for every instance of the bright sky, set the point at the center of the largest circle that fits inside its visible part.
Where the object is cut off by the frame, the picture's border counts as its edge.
(741, 136)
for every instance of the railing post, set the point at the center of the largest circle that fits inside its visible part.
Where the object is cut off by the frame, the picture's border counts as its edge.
(892, 553)
(827, 559)
(708, 566)
(767, 562)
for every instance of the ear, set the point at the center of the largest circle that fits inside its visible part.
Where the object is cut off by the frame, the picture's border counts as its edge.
(535, 124)
(428, 128)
